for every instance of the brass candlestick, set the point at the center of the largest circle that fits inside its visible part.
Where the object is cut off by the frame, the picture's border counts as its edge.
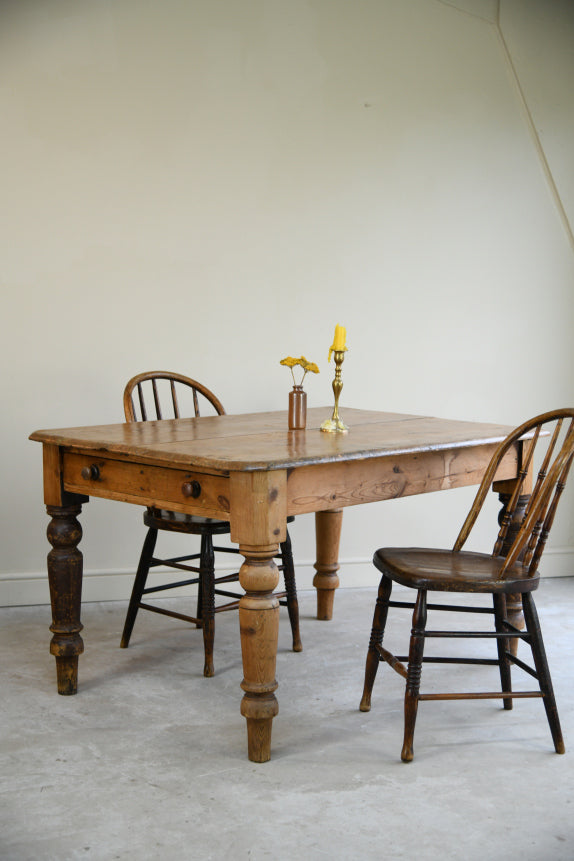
(335, 424)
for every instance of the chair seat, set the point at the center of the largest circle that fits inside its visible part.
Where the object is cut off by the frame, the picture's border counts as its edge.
(175, 521)
(450, 571)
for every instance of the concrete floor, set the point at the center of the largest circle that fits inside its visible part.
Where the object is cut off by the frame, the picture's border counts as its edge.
(149, 761)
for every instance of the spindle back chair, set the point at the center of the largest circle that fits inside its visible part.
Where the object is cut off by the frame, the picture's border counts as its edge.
(555, 462)
(156, 395)
(546, 450)
(155, 386)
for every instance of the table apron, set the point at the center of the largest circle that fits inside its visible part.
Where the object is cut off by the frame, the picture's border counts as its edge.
(328, 486)
(145, 484)
(319, 487)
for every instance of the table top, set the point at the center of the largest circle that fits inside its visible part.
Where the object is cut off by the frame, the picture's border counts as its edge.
(262, 441)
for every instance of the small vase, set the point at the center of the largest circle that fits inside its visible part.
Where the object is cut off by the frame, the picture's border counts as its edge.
(297, 408)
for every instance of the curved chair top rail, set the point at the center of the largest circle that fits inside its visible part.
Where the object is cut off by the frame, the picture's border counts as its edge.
(551, 435)
(156, 395)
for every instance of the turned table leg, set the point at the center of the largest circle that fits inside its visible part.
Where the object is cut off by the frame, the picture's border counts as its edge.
(259, 627)
(65, 576)
(513, 602)
(328, 533)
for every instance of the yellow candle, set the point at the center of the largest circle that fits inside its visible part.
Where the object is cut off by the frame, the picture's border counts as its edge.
(338, 340)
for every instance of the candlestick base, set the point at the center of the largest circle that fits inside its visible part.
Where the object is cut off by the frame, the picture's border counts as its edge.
(334, 426)
(335, 423)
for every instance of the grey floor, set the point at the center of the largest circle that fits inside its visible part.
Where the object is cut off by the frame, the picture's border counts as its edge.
(148, 761)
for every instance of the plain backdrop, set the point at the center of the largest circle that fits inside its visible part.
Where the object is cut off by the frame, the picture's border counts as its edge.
(208, 186)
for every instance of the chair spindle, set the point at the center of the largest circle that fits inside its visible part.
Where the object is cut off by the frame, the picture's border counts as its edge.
(156, 400)
(544, 468)
(142, 402)
(174, 399)
(532, 556)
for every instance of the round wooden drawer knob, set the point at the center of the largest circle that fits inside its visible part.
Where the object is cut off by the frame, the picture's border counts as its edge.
(191, 489)
(91, 473)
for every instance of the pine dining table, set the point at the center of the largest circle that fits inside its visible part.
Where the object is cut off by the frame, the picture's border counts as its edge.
(250, 470)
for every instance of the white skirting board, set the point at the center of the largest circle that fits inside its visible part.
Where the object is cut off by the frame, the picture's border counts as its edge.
(23, 589)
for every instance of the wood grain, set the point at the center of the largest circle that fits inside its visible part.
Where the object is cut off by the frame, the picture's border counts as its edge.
(331, 486)
(262, 441)
(144, 484)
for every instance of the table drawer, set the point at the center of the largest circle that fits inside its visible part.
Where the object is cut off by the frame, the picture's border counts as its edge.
(164, 487)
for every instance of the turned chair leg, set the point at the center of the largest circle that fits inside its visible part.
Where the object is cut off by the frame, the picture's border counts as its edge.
(541, 664)
(199, 608)
(207, 588)
(139, 585)
(416, 650)
(291, 590)
(503, 645)
(377, 633)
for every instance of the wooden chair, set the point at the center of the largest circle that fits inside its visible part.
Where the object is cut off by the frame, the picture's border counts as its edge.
(156, 387)
(511, 569)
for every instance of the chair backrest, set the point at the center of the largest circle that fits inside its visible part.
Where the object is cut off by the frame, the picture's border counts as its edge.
(547, 451)
(155, 389)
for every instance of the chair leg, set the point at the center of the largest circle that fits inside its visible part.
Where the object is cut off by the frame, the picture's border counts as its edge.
(541, 664)
(207, 587)
(416, 650)
(503, 645)
(199, 608)
(377, 633)
(291, 590)
(139, 585)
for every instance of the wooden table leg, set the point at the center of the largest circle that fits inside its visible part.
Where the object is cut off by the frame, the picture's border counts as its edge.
(328, 533)
(65, 576)
(513, 602)
(259, 627)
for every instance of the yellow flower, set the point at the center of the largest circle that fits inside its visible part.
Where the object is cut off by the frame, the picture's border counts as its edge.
(302, 362)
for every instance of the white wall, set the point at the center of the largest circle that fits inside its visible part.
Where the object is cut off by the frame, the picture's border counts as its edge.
(210, 185)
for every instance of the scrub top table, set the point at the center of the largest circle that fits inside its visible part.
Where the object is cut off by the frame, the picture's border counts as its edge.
(254, 472)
